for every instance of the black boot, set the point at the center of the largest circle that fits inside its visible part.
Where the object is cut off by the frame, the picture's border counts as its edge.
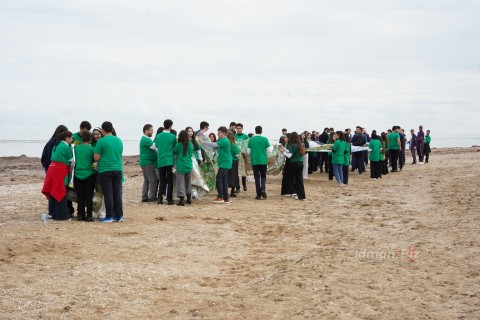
(160, 200)
(181, 202)
(244, 183)
(232, 194)
(189, 199)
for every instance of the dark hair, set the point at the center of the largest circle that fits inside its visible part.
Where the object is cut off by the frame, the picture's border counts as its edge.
(239, 125)
(147, 127)
(258, 130)
(346, 137)
(99, 130)
(222, 129)
(194, 140)
(59, 129)
(61, 137)
(284, 129)
(282, 140)
(340, 133)
(204, 124)
(107, 126)
(159, 130)
(325, 129)
(168, 124)
(384, 136)
(214, 136)
(231, 137)
(394, 128)
(86, 136)
(374, 135)
(250, 135)
(295, 139)
(174, 132)
(85, 125)
(183, 139)
(232, 124)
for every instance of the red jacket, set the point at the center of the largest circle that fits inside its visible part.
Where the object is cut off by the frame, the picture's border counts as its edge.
(54, 185)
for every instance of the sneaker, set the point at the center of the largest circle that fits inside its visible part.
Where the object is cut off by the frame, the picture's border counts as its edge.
(264, 195)
(120, 219)
(144, 200)
(106, 220)
(245, 188)
(226, 201)
(287, 195)
(258, 198)
(218, 200)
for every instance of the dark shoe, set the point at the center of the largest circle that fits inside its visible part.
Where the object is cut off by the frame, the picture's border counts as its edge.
(233, 195)
(181, 202)
(189, 199)
(160, 200)
(89, 220)
(152, 200)
(170, 203)
(237, 190)
(81, 218)
(144, 200)
(264, 195)
(258, 198)
(244, 183)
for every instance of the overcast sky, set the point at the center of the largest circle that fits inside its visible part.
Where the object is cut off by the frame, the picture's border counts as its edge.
(299, 64)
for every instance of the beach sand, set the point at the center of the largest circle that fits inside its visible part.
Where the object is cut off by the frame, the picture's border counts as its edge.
(403, 247)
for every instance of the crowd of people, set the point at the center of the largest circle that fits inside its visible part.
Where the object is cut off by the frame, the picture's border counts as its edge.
(94, 164)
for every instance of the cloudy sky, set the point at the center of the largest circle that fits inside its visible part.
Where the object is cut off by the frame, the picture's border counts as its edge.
(299, 64)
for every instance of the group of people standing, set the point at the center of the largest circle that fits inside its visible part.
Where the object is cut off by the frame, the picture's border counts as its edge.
(80, 160)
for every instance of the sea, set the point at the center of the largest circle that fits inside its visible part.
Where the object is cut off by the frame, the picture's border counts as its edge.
(34, 148)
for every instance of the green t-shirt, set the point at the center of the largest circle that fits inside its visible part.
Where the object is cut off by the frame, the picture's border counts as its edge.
(338, 150)
(62, 153)
(77, 139)
(375, 145)
(110, 149)
(147, 156)
(392, 141)
(184, 162)
(83, 161)
(224, 154)
(296, 156)
(346, 154)
(258, 150)
(241, 137)
(165, 142)
(234, 150)
(428, 139)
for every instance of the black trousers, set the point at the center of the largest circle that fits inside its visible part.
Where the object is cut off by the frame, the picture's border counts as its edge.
(260, 175)
(294, 178)
(324, 161)
(358, 162)
(84, 189)
(59, 209)
(375, 169)
(384, 165)
(394, 159)
(111, 183)
(166, 182)
(345, 174)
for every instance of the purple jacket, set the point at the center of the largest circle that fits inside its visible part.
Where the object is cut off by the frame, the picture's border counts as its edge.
(413, 141)
(420, 138)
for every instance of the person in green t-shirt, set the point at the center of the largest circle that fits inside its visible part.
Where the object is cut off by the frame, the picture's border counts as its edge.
(347, 153)
(233, 181)
(148, 158)
(57, 177)
(375, 148)
(184, 154)
(394, 147)
(108, 153)
(224, 165)
(240, 136)
(85, 126)
(338, 157)
(258, 147)
(426, 146)
(165, 143)
(84, 178)
(294, 152)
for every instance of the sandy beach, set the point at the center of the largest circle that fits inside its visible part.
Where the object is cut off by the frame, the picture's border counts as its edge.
(403, 247)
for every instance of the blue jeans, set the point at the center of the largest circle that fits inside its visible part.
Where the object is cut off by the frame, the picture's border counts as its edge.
(338, 172)
(222, 183)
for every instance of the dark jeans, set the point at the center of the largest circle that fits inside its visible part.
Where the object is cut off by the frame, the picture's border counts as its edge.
(420, 152)
(111, 183)
(394, 159)
(375, 169)
(260, 175)
(358, 162)
(222, 183)
(324, 160)
(59, 209)
(401, 158)
(166, 183)
(426, 151)
(84, 189)
(345, 174)
(294, 178)
(384, 166)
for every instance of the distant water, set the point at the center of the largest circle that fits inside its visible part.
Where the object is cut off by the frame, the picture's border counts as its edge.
(34, 148)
